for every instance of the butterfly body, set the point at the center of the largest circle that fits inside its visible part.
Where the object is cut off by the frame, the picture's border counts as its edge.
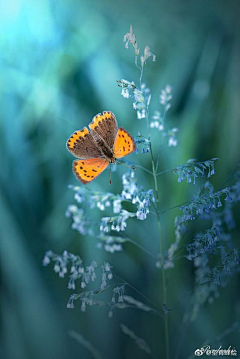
(106, 151)
(103, 144)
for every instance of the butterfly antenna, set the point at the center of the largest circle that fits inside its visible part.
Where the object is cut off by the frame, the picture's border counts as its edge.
(122, 163)
(110, 175)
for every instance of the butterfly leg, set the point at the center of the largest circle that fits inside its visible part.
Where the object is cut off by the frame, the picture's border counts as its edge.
(110, 175)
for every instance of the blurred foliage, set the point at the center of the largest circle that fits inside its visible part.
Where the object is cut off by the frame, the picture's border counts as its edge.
(59, 62)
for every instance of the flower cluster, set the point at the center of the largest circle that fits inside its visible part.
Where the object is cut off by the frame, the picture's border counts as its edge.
(142, 100)
(130, 37)
(204, 242)
(128, 88)
(86, 298)
(118, 292)
(172, 137)
(202, 293)
(77, 271)
(157, 121)
(60, 265)
(204, 202)
(168, 261)
(80, 222)
(95, 199)
(116, 223)
(165, 100)
(134, 192)
(209, 279)
(86, 225)
(166, 97)
(111, 243)
(146, 55)
(142, 141)
(210, 205)
(158, 118)
(141, 96)
(192, 169)
(214, 242)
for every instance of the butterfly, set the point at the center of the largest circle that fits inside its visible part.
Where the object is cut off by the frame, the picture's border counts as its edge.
(99, 147)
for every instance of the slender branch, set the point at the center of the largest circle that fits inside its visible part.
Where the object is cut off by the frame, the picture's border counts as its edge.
(142, 248)
(229, 176)
(158, 219)
(160, 238)
(140, 80)
(186, 165)
(142, 295)
(158, 157)
(143, 168)
(166, 171)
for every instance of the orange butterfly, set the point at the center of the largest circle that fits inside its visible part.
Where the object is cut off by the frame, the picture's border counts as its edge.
(98, 147)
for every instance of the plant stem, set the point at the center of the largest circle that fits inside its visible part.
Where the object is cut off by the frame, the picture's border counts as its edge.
(161, 240)
(164, 289)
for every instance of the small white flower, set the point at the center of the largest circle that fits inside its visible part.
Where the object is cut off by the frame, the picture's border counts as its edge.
(141, 114)
(79, 198)
(107, 203)
(163, 98)
(156, 115)
(70, 305)
(172, 142)
(71, 285)
(101, 206)
(138, 96)
(83, 306)
(125, 92)
(123, 225)
(81, 270)
(109, 248)
(107, 267)
(168, 106)
(141, 215)
(146, 55)
(117, 205)
(46, 260)
(168, 89)
(83, 285)
(93, 277)
(56, 268)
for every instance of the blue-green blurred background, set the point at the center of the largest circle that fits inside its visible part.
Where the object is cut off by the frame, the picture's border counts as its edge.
(59, 62)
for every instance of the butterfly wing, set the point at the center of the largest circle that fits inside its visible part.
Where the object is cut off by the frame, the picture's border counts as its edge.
(87, 170)
(81, 144)
(104, 126)
(124, 143)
